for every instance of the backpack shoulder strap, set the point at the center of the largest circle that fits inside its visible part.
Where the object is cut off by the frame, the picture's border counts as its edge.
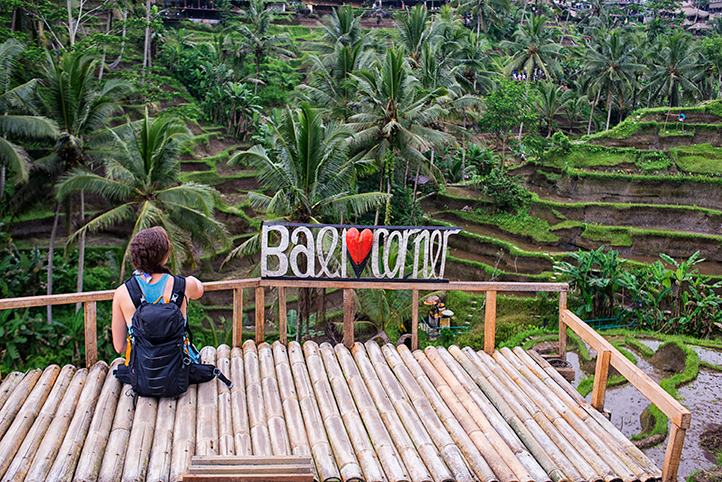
(179, 290)
(136, 294)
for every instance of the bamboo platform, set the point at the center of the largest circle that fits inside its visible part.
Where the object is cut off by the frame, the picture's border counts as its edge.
(370, 413)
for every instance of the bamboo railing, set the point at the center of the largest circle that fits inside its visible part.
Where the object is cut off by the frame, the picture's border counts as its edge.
(607, 354)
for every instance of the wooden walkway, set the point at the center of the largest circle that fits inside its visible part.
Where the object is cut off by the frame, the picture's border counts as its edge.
(370, 413)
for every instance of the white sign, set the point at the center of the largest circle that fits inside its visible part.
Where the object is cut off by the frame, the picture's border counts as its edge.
(326, 251)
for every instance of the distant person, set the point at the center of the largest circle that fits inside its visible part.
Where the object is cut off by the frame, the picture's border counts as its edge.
(149, 252)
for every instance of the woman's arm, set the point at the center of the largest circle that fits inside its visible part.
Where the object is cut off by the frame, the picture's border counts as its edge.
(119, 324)
(194, 288)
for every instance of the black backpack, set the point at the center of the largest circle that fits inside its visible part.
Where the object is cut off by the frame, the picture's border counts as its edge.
(163, 360)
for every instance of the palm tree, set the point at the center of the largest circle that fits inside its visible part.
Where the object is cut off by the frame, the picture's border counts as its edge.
(305, 165)
(533, 48)
(142, 180)
(675, 69)
(81, 111)
(12, 156)
(414, 31)
(341, 27)
(551, 100)
(398, 118)
(611, 64)
(485, 11)
(256, 38)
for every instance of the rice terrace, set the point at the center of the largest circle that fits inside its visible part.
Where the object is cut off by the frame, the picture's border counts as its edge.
(451, 240)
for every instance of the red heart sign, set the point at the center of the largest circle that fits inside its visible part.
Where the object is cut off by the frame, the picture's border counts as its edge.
(359, 244)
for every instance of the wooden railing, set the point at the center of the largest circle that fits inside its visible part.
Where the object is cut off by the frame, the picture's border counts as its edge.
(607, 354)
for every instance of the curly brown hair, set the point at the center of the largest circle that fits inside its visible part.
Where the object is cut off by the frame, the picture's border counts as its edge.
(149, 250)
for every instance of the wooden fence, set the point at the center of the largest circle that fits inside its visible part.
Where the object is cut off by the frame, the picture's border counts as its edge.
(607, 354)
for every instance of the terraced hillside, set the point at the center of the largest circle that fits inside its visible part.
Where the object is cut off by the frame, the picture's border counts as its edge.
(651, 185)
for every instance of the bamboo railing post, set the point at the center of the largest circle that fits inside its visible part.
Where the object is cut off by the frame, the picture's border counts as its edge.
(91, 333)
(490, 322)
(673, 453)
(601, 374)
(348, 314)
(260, 314)
(282, 318)
(414, 320)
(237, 317)
(562, 326)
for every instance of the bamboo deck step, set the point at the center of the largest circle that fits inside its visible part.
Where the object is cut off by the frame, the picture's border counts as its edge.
(250, 469)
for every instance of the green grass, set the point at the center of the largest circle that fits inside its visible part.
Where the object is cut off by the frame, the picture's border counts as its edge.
(614, 236)
(699, 159)
(519, 224)
(583, 156)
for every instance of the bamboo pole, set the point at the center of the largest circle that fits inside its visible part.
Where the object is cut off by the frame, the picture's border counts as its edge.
(562, 325)
(260, 437)
(162, 448)
(476, 459)
(20, 464)
(415, 426)
(91, 333)
(385, 449)
(16, 399)
(260, 314)
(491, 413)
(633, 458)
(368, 460)
(291, 409)
(207, 416)
(10, 443)
(348, 317)
(466, 409)
(67, 458)
(111, 469)
(525, 410)
(323, 457)
(48, 449)
(99, 431)
(184, 433)
(239, 409)
(450, 452)
(8, 385)
(601, 374)
(490, 322)
(338, 436)
(594, 450)
(415, 319)
(514, 413)
(140, 440)
(280, 444)
(412, 459)
(237, 317)
(225, 417)
(282, 315)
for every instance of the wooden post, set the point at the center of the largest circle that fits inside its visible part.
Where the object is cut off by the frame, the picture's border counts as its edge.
(601, 374)
(673, 453)
(562, 326)
(414, 320)
(348, 315)
(91, 333)
(237, 317)
(260, 315)
(490, 322)
(282, 319)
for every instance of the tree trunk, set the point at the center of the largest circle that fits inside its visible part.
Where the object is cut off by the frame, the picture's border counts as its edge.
(81, 253)
(609, 109)
(50, 260)
(146, 45)
(2, 182)
(591, 114)
(258, 69)
(71, 30)
(381, 188)
(122, 40)
(105, 47)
